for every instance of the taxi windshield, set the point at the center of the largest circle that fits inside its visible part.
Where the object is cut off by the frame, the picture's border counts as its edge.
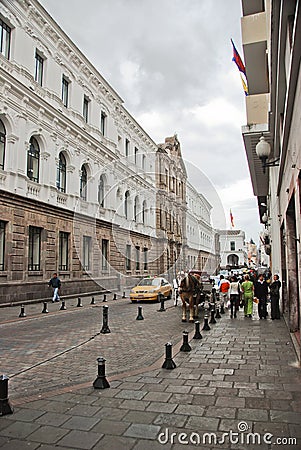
(149, 282)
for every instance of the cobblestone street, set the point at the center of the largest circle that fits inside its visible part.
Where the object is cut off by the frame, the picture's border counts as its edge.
(243, 377)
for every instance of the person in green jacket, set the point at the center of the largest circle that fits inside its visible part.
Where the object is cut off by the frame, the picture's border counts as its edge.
(248, 294)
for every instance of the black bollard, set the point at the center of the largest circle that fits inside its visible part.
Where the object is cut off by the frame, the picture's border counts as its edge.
(101, 382)
(5, 406)
(161, 299)
(222, 309)
(140, 316)
(79, 302)
(217, 315)
(168, 363)
(45, 310)
(115, 297)
(185, 346)
(197, 334)
(206, 327)
(63, 306)
(123, 295)
(105, 319)
(92, 301)
(104, 297)
(212, 320)
(22, 313)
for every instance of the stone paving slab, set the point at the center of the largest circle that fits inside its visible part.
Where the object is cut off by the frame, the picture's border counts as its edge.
(171, 409)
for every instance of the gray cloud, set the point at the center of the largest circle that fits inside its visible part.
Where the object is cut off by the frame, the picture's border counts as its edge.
(171, 62)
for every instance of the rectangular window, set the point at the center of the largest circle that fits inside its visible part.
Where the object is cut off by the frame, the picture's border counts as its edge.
(105, 253)
(39, 62)
(232, 246)
(2, 244)
(86, 108)
(137, 258)
(103, 120)
(127, 147)
(63, 251)
(34, 248)
(128, 257)
(65, 91)
(5, 33)
(136, 155)
(145, 259)
(86, 252)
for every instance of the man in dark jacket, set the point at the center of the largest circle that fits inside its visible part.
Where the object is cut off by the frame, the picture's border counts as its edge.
(55, 283)
(261, 293)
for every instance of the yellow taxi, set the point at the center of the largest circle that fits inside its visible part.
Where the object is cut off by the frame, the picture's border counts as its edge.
(150, 289)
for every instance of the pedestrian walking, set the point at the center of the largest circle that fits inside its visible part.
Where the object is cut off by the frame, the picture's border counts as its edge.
(275, 296)
(55, 283)
(224, 286)
(261, 293)
(234, 292)
(247, 288)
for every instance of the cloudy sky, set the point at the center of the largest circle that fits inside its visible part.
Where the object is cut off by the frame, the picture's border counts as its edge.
(171, 62)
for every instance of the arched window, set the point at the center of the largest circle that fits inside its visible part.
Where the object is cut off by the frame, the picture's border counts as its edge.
(126, 204)
(33, 160)
(144, 212)
(101, 191)
(2, 144)
(61, 173)
(83, 183)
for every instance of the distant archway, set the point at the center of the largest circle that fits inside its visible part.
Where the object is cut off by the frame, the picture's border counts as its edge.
(232, 260)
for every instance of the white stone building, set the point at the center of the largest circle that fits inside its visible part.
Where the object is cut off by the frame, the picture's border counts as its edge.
(200, 250)
(233, 251)
(77, 172)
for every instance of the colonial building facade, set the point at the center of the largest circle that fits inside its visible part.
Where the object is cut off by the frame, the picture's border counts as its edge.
(233, 254)
(200, 249)
(271, 38)
(77, 171)
(85, 191)
(171, 181)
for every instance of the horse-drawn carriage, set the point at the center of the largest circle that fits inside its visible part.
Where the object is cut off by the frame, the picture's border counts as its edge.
(197, 291)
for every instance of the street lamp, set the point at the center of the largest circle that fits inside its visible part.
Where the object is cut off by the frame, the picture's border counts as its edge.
(263, 150)
(264, 218)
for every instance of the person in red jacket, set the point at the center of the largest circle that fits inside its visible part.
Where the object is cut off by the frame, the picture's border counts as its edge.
(224, 286)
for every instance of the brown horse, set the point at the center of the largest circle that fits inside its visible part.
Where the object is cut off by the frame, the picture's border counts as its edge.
(189, 290)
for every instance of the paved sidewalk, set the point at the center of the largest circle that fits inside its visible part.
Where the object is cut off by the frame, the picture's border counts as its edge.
(242, 376)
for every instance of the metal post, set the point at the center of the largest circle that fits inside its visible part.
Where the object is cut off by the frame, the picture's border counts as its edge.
(222, 309)
(115, 297)
(104, 297)
(217, 315)
(5, 406)
(101, 382)
(63, 307)
(22, 313)
(45, 310)
(105, 319)
(79, 302)
(140, 316)
(161, 299)
(185, 346)
(206, 327)
(212, 320)
(197, 334)
(168, 363)
(123, 295)
(92, 301)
